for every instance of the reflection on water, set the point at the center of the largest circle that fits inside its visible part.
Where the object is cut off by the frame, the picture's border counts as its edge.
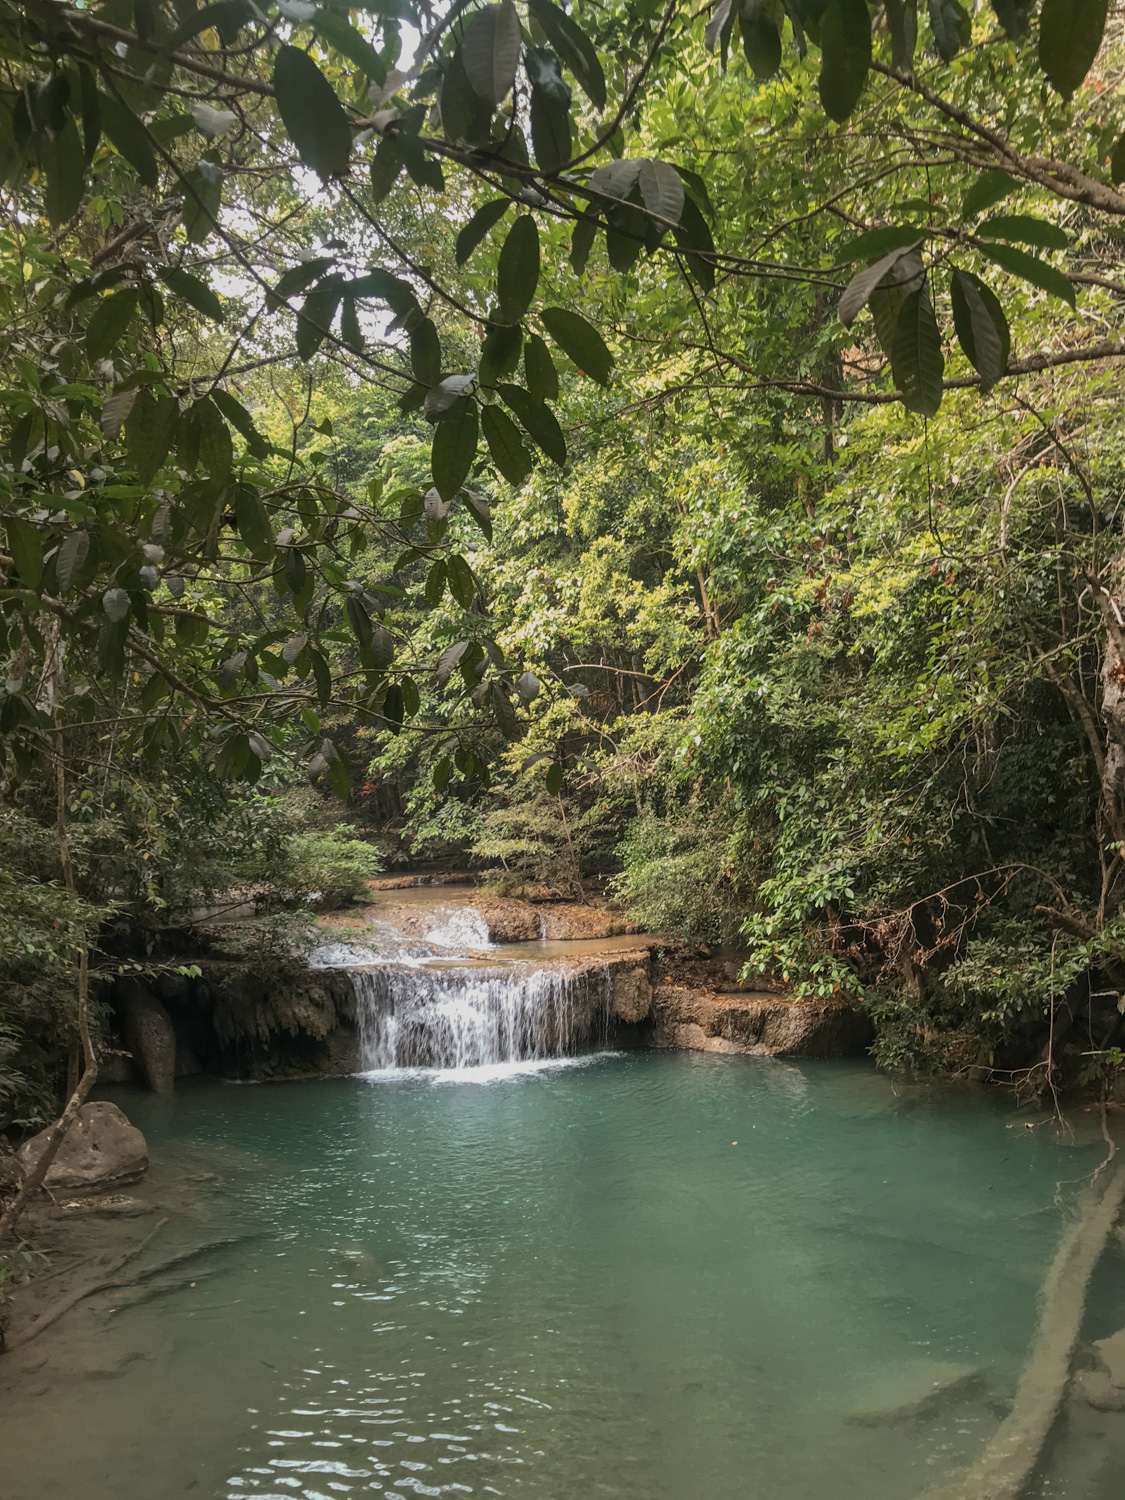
(654, 1277)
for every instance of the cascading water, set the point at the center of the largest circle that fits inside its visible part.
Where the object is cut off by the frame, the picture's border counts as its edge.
(459, 927)
(464, 1018)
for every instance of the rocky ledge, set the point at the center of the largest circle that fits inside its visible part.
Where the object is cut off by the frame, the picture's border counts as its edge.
(510, 920)
(757, 1022)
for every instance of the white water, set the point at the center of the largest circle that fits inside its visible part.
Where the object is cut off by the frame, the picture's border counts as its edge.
(472, 1018)
(459, 927)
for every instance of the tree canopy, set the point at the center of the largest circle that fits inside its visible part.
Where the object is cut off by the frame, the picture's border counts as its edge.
(581, 438)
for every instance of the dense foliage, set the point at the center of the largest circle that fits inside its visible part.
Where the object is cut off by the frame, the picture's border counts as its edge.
(645, 460)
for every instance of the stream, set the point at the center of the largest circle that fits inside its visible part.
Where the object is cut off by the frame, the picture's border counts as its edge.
(497, 1265)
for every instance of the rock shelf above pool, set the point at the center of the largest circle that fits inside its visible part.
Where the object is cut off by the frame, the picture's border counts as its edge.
(454, 978)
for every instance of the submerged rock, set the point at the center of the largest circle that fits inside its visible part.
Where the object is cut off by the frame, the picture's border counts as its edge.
(100, 1150)
(1098, 1390)
(918, 1388)
(1111, 1357)
(757, 1023)
(1104, 1387)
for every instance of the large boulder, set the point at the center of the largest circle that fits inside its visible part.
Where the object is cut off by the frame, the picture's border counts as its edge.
(508, 921)
(149, 1035)
(757, 1023)
(100, 1150)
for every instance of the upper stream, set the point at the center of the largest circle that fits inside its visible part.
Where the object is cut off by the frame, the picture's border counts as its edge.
(649, 1276)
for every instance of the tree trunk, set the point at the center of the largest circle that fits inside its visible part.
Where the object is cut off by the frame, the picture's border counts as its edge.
(35, 1178)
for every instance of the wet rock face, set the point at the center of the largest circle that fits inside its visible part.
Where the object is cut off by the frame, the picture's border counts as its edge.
(757, 1023)
(149, 1035)
(513, 921)
(631, 997)
(101, 1150)
(508, 921)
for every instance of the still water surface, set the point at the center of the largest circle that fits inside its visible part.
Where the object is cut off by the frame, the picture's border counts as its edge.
(649, 1276)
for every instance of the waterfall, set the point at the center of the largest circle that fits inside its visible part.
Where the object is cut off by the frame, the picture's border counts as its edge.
(463, 1018)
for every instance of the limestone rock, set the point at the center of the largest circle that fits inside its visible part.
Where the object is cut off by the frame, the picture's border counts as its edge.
(149, 1035)
(569, 921)
(917, 1388)
(101, 1150)
(631, 998)
(1098, 1390)
(508, 921)
(757, 1023)
(1111, 1357)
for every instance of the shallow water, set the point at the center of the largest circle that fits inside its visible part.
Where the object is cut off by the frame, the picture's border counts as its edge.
(650, 1276)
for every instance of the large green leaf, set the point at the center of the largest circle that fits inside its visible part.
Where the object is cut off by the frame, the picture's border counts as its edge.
(109, 321)
(550, 129)
(425, 352)
(505, 445)
(465, 116)
(918, 361)
(25, 542)
(982, 328)
(350, 330)
(71, 555)
(662, 190)
(761, 40)
(537, 419)
(386, 164)
(517, 273)
(951, 27)
(1025, 228)
(91, 112)
(240, 419)
(195, 293)
(581, 243)
(485, 219)
(1014, 16)
(436, 580)
(876, 242)
(454, 447)
(149, 431)
(581, 342)
(845, 47)
(698, 190)
(315, 320)
(864, 282)
(694, 239)
(573, 47)
(1032, 269)
(902, 18)
(313, 116)
(989, 189)
(253, 522)
(478, 508)
(203, 196)
(129, 137)
(490, 51)
(1070, 33)
(539, 370)
(350, 43)
(500, 354)
(64, 163)
(462, 584)
(441, 398)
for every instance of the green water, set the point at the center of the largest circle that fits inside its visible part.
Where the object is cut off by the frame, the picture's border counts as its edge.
(652, 1276)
